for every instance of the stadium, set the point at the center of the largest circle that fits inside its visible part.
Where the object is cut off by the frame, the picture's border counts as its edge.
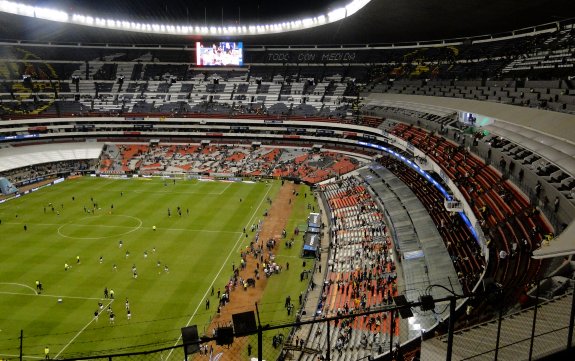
(254, 180)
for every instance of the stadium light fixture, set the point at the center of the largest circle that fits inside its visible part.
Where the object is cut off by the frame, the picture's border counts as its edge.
(355, 6)
(14, 7)
(336, 14)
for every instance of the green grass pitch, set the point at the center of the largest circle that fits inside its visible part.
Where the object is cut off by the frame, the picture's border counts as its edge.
(198, 249)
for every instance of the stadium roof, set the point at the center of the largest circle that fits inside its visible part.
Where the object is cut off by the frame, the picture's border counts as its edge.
(198, 10)
(381, 21)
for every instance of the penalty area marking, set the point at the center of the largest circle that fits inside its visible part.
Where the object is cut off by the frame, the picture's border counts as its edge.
(51, 296)
(21, 285)
(232, 250)
(82, 330)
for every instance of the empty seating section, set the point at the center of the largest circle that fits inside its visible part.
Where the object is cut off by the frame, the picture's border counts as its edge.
(443, 71)
(120, 81)
(554, 95)
(93, 98)
(130, 156)
(165, 76)
(509, 222)
(238, 160)
(360, 276)
(463, 249)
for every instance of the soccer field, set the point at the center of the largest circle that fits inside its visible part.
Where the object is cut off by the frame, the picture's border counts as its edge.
(196, 247)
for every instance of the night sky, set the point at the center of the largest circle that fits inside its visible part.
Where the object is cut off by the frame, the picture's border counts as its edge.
(382, 21)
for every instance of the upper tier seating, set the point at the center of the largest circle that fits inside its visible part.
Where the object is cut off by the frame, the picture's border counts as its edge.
(505, 215)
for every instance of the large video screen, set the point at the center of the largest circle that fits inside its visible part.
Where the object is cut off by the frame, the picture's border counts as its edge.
(219, 54)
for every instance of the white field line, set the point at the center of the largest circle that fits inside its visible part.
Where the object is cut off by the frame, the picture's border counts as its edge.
(110, 226)
(219, 271)
(82, 330)
(21, 285)
(23, 356)
(225, 189)
(52, 296)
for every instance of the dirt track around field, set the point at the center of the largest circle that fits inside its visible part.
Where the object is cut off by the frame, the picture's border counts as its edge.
(244, 300)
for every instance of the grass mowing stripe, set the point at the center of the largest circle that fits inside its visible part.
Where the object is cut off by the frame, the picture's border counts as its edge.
(221, 269)
(192, 246)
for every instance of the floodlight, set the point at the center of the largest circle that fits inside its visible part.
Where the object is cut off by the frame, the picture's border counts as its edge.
(13, 7)
(26, 10)
(355, 6)
(336, 14)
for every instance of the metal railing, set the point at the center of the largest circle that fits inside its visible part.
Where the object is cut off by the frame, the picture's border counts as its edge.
(546, 328)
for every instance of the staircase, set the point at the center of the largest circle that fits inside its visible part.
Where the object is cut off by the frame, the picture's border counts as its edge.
(478, 342)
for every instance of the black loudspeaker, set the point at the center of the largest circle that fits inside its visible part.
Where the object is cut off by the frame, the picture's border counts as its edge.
(244, 323)
(191, 339)
(402, 301)
(224, 336)
(427, 303)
